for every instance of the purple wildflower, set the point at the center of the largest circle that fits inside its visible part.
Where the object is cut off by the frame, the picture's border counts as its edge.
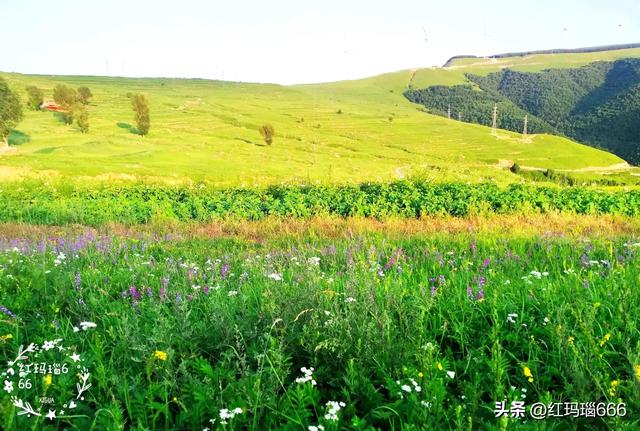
(433, 291)
(473, 248)
(224, 271)
(78, 280)
(584, 260)
(391, 262)
(486, 263)
(441, 279)
(134, 293)
(469, 292)
(481, 293)
(165, 283)
(149, 292)
(480, 281)
(6, 311)
(585, 283)
(178, 298)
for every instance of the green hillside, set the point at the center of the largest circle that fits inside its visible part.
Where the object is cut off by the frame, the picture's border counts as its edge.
(597, 103)
(349, 131)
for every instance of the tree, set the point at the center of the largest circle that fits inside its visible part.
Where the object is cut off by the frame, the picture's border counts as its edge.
(10, 111)
(82, 117)
(67, 98)
(267, 133)
(84, 94)
(141, 111)
(36, 97)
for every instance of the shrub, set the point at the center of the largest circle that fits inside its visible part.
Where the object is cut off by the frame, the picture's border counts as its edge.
(515, 168)
(82, 117)
(36, 97)
(141, 111)
(84, 94)
(267, 131)
(10, 111)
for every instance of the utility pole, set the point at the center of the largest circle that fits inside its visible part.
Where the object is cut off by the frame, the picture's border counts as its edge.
(524, 132)
(495, 119)
(449, 112)
(459, 116)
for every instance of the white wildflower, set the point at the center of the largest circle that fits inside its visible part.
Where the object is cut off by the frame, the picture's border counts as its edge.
(314, 261)
(275, 276)
(307, 376)
(333, 408)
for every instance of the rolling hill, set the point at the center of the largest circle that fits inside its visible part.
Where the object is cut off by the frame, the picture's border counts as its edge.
(349, 131)
(597, 103)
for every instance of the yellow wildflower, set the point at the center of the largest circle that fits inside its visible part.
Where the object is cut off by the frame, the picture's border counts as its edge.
(6, 337)
(612, 389)
(160, 355)
(47, 380)
(636, 369)
(606, 338)
(440, 366)
(527, 373)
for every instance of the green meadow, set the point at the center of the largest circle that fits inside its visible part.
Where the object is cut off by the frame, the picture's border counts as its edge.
(375, 268)
(350, 131)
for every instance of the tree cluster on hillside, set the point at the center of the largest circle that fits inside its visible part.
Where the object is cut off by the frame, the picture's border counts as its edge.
(73, 103)
(10, 111)
(473, 106)
(597, 104)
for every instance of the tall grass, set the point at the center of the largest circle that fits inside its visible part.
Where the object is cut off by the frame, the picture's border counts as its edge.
(408, 333)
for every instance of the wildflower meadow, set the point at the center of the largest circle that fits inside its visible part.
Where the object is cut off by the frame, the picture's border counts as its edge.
(371, 331)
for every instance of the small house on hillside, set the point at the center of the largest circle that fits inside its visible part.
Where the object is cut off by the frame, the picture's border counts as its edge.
(50, 105)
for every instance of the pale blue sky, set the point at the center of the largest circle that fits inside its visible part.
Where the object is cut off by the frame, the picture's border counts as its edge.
(291, 41)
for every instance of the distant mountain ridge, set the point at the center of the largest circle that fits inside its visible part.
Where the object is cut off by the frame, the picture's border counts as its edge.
(548, 51)
(597, 104)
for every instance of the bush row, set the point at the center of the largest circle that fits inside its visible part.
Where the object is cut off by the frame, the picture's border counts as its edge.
(142, 203)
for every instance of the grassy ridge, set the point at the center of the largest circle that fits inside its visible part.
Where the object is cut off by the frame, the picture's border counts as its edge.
(208, 130)
(94, 205)
(411, 332)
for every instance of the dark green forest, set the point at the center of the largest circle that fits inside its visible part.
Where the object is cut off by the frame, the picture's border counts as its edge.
(597, 104)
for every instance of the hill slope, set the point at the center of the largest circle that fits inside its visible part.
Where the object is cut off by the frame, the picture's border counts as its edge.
(207, 130)
(597, 103)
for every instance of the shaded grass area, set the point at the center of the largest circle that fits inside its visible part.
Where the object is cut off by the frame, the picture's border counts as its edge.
(407, 332)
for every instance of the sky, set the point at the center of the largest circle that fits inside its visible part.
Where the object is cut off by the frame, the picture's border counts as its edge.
(291, 41)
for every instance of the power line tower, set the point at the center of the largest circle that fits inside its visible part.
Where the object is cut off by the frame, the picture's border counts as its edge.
(524, 131)
(495, 119)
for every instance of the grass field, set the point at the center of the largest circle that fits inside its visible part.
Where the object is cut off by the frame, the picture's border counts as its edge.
(422, 331)
(376, 268)
(207, 130)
